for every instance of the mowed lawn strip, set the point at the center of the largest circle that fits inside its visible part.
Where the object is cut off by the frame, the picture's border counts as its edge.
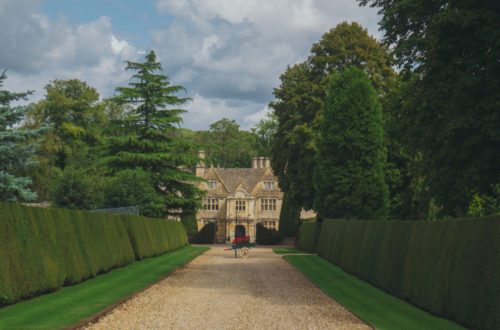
(288, 251)
(369, 303)
(74, 303)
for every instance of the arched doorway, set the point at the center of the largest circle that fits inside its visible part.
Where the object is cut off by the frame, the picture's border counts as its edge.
(240, 231)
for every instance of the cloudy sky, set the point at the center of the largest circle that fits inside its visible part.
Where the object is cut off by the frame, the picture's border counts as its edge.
(228, 54)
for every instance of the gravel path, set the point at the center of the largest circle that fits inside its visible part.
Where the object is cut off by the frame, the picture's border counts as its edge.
(218, 291)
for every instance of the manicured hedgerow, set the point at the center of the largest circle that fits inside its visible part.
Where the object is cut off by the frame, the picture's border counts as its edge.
(44, 249)
(449, 268)
(308, 238)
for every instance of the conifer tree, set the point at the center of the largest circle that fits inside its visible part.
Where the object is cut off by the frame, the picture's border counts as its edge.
(151, 145)
(349, 173)
(15, 152)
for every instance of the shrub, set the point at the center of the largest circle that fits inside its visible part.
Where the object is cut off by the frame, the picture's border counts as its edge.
(268, 236)
(309, 236)
(206, 235)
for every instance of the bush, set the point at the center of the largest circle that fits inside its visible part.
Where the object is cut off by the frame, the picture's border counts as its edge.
(268, 236)
(44, 249)
(190, 223)
(450, 268)
(206, 235)
(309, 236)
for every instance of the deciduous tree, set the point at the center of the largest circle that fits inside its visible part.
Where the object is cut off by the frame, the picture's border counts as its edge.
(453, 48)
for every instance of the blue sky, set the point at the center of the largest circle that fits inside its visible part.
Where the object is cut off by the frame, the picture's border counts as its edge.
(132, 19)
(228, 54)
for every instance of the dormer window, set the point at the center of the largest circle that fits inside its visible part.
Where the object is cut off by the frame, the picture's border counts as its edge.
(212, 184)
(268, 184)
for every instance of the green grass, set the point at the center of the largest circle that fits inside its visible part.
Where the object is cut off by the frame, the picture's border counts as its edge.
(372, 305)
(74, 303)
(287, 251)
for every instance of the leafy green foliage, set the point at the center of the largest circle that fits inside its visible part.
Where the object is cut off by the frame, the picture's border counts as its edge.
(349, 177)
(77, 189)
(15, 154)
(267, 236)
(265, 130)
(44, 249)
(150, 143)
(190, 223)
(299, 100)
(130, 187)
(452, 47)
(449, 268)
(226, 145)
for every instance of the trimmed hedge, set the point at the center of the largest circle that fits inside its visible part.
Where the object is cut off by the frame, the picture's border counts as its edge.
(206, 235)
(449, 268)
(309, 236)
(44, 249)
(266, 236)
(154, 236)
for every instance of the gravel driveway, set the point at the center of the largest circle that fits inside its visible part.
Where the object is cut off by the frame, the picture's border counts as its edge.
(218, 291)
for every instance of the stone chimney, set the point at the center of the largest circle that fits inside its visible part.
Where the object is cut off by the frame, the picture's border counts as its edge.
(200, 167)
(267, 162)
(255, 162)
(261, 162)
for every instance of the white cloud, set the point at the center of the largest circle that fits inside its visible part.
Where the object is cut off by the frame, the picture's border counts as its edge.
(36, 49)
(204, 111)
(226, 49)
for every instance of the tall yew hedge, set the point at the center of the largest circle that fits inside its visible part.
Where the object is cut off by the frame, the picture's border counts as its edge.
(449, 268)
(44, 249)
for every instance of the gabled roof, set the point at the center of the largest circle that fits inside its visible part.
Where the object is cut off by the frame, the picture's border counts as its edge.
(232, 177)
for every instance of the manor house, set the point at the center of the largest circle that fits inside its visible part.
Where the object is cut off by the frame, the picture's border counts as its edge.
(239, 198)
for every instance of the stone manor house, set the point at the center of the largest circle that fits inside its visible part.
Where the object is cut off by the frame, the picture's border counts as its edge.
(239, 198)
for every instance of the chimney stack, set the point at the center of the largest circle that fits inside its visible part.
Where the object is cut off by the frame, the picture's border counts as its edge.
(200, 167)
(255, 162)
(261, 162)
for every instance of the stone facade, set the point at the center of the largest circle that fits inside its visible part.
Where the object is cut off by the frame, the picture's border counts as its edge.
(239, 198)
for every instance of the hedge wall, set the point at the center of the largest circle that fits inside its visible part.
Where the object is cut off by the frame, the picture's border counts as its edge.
(449, 268)
(44, 249)
(309, 235)
(151, 237)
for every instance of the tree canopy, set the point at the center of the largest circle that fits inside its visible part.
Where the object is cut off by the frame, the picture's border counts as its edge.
(299, 100)
(150, 144)
(449, 53)
(349, 172)
(16, 153)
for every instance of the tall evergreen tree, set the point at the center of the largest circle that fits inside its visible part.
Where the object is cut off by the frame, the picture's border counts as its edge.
(349, 173)
(151, 145)
(15, 153)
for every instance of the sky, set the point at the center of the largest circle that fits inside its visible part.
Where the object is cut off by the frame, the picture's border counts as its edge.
(228, 54)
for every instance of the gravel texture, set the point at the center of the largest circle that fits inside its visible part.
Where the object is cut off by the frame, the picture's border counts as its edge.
(218, 291)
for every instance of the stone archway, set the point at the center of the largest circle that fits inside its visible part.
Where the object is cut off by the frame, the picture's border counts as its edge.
(240, 231)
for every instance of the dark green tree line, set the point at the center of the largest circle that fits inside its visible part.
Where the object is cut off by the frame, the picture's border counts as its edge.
(449, 52)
